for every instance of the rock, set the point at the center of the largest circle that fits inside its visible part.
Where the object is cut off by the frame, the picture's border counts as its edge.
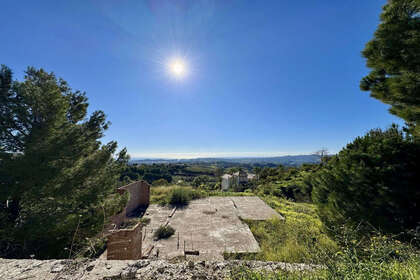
(142, 263)
(57, 267)
(130, 270)
(129, 274)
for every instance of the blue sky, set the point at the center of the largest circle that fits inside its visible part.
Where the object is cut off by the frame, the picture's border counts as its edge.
(264, 78)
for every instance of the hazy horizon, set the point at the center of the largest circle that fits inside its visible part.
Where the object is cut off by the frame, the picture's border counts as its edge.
(214, 155)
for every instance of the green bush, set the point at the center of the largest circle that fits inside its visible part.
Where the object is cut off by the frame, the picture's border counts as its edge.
(181, 196)
(164, 232)
(374, 179)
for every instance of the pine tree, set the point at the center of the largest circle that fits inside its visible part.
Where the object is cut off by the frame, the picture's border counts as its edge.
(394, 57)
(55, 174)
(375, 179)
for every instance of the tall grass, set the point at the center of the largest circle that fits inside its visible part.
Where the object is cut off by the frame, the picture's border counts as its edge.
(302, 238)
(299, 238)
(175, 195)
(161, 195)
(380, 261)
(342, 271)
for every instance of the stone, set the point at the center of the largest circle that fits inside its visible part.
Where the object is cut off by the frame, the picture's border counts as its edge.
(142, 263)
(129, 274)
(130, 270)
(56, 268)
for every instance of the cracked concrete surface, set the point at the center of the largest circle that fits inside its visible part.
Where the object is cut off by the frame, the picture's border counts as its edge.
(211, 226)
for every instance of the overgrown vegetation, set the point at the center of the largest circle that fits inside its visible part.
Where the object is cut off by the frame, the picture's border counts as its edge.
(162, 195)
(164, 232)
(374, 179)
(345, 252)
(180, 196)
(286, 182)
(299, 238)
(175, 195)
(375, 257)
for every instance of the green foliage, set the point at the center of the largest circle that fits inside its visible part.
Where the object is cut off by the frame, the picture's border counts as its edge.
(342, 271)
(373, 257)
(299, 238)
(394, 57)
(374, 179)
(291, 183)
(164, 232)
(175, 195)
(161, 195)
(244, 273)
(160, 182)
(200, 169)
(181, 196)
(55, 174)
(150, 172)
(200, 180)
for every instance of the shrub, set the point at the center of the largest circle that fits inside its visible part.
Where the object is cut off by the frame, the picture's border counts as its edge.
(164, 195)
(164, 232)
(181, 196)
(374, 179)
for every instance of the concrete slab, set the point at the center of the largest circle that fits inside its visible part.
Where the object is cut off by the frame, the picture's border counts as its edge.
(210, 225)
(253, 208)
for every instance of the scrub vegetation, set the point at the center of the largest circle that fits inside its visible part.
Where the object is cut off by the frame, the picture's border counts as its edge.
(298, 239)
(164, 232)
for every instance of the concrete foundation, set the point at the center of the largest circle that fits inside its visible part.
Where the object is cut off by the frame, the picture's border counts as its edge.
(210, 226)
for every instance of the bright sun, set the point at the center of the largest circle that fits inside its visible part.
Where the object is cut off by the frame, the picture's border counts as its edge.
(177, 68)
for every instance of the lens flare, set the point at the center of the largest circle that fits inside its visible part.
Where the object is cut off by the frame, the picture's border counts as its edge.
(177, 68)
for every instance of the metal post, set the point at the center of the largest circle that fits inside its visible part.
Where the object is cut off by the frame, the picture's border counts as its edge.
(192, 244)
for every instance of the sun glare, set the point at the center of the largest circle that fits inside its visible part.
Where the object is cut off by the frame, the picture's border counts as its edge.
(177, 68)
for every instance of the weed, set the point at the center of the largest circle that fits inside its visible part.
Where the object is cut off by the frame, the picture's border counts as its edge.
(164, 232)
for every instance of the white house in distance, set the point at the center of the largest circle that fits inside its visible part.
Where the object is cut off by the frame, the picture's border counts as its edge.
(237, 178)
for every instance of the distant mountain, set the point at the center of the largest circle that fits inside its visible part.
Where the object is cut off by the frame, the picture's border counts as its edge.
(284, 160)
